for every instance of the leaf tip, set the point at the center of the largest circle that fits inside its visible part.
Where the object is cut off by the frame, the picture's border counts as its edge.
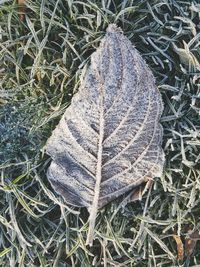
(112, 28)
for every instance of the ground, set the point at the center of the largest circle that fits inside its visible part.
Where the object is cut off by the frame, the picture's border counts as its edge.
(42, 55)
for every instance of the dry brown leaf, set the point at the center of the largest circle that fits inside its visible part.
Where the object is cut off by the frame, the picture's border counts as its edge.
(180, 248)
(22, 9)
(190, 242)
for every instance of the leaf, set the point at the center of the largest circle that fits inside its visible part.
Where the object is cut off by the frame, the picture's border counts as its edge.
(179, 245)
(190, 242)
(22, 9)
(109, 140)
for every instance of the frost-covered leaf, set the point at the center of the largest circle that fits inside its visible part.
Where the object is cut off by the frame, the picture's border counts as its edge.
(109, 139)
